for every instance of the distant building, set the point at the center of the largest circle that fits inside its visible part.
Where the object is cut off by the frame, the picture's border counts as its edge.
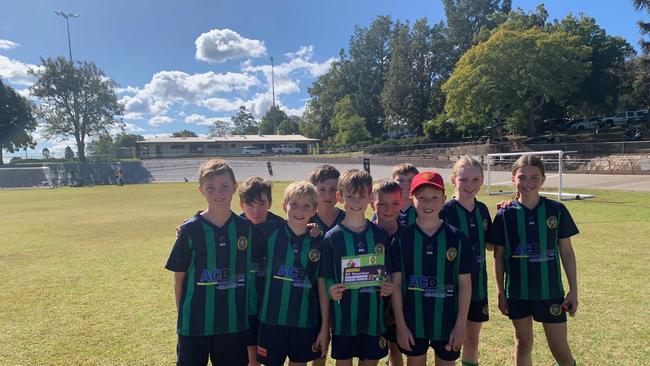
(229, 145)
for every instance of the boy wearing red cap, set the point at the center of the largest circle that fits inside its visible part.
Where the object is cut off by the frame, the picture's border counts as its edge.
(432, 265)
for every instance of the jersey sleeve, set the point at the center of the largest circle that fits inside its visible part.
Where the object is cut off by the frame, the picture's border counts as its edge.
(567, 227)
(395, 254)
(180, 257)
(496, 232)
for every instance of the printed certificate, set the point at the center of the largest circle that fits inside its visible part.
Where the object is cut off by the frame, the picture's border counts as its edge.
(363, 270)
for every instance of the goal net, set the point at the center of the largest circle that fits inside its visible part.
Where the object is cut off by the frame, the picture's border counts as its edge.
(499, 174)
(28, 177)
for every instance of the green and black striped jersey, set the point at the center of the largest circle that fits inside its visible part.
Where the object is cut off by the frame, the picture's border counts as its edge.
(292, 267)
(430, 267)
(532, 255)
(323, 227)
(360, 311)
(475, 225)
(216, 261)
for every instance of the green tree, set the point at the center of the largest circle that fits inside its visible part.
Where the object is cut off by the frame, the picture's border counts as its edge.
(103, 145)
(126, 140)
(77, 100)
(290, 126)
(644, 27)
(218, 128)
(68, 153)
(466, 19)
(184, 133)
(513, 74)
(273, 118)
(351, 128)
(16, 121)
(245, 123)
(46, 153)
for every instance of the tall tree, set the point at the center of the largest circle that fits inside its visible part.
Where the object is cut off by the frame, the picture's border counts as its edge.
(397, 96)
(103, 145)
(184, 133)
(290, 126)
(351, 128)
(245, 123)
(126, 140)
(77, 100)
(513, 74)
(218, 128)
(16, 121)
(644, 27)
(273, 118)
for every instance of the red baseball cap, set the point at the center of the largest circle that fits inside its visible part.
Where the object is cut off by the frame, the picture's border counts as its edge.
(430, 178)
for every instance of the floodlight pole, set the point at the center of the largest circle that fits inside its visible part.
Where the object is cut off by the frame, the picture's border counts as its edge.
(67, 17)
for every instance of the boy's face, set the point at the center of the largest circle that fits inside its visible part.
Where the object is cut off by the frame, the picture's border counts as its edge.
(327, 192)
(428, 201)
(218, 190)
(387, 206)
(354, 203)
(468, 181)
(257, 210)
(299, 210)
(404, 181)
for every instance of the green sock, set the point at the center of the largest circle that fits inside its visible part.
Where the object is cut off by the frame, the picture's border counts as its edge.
(467, 363)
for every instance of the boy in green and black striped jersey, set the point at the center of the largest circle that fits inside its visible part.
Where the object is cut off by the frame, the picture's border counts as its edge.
(326, 179)
(357, 313)
(210, 261)
(432, 266)
(532, 238)
(292, 324)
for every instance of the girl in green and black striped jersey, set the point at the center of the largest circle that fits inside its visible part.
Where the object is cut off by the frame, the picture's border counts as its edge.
(531, 237)
(472, 217)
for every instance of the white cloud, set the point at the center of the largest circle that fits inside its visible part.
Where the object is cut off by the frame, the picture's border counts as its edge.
(219, 45)
(159, 120)
(7, 45)
(221, 104)
(16, 71)
(199, 119)
(129, 89)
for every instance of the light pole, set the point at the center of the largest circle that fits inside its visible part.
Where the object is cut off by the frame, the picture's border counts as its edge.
(273, 91)
(67, 17)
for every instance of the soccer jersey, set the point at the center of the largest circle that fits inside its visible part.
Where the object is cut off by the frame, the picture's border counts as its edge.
(360, 311)
(430, 267)
(216, 262)
(257, 270)
(532, 255)
(407, 217)
(292, 267)
(322, 226)
(475, 226)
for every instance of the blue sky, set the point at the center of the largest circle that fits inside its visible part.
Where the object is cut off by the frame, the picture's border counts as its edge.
(183, 64)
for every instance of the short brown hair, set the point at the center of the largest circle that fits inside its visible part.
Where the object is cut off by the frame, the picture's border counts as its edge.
(214, 167)
(528, 160)
(301, 189)
(385, 186)
(254, 188)
(355, 181)
(322, 173)
(403, 169)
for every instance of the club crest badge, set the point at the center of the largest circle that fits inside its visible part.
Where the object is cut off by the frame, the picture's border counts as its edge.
(555, 310)
(242, 243)
(315, 348)
(486, 309)
(380, 248)
(314, 255)
(382, 342)
(451, 254)
(551, 222)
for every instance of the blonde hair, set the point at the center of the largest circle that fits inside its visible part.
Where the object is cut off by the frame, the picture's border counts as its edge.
(355, 181)
(214, 167)
(404, 169)
(301, 189)
(464, 161)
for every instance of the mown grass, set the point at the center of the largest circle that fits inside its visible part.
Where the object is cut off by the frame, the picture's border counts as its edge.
(83, 283)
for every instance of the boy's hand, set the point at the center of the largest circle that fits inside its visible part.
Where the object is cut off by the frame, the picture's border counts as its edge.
(314, 230)
(570, 304)
(503, 303)
(456, 338)
(178, 231)
(404, 337)
(386, 289)
(322, 342)
(336, 291)
(504, 204)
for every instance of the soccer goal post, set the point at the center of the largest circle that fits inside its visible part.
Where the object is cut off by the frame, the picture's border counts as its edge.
(499, 174)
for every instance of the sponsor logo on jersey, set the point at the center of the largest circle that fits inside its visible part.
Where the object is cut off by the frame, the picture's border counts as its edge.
(242, 243)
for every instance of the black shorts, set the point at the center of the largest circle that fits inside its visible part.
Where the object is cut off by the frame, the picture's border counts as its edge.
(225, 349)
(543, 311)
(362, 346)
(422, 346)
(253, 329)
(479, 311)
(276, 343)
(391, 333)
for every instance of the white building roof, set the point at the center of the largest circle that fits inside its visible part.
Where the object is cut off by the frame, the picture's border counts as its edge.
(231, 138)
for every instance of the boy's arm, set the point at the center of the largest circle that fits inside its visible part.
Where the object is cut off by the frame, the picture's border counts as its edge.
(499, 274)
(323, 336)
(179, 277)
(570, 268)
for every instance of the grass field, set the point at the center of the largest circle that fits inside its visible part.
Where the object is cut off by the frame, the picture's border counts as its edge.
(83, 283)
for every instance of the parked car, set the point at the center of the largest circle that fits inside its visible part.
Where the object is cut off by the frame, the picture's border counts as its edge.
(252, 150)
(557, 124)
(625, 118)
(586, 124)
(286, 149)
